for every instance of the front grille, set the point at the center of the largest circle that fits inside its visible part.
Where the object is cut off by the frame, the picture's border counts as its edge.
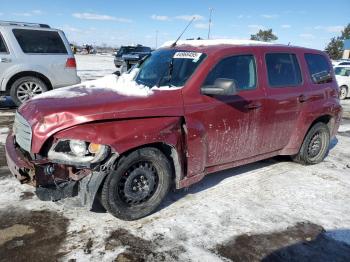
(23, 132)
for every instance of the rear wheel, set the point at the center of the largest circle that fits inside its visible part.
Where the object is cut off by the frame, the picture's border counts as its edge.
(138, 185)
(343, 92)
(315, 145)
(25, 88)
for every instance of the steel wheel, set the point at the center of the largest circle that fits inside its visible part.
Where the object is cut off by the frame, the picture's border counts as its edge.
(28, 90)
(138, 184)
(315, 145)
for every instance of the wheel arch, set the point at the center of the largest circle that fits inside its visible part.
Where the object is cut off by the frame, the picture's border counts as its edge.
(299, 135)
(28, 73)
(171, 153)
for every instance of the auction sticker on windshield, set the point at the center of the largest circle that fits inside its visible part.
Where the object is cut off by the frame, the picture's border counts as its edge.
(188, 55)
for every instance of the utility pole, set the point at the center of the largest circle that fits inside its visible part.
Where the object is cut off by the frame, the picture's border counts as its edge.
(156, 39)
(211, 11)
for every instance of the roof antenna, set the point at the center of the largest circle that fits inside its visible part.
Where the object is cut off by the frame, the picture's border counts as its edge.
(174, 44)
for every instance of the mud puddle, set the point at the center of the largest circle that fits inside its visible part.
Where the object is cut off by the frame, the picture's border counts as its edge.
(138, 249)
(302, 242)
(31, 235)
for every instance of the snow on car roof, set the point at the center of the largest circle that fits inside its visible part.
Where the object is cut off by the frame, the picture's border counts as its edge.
(212, 42)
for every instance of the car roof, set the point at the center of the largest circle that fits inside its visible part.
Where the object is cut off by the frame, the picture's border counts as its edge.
(26, 25)
(216, 45)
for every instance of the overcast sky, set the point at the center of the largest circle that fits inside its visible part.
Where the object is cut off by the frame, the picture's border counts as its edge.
(300, 22)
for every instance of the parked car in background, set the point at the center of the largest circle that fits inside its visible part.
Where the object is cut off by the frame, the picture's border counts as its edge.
(127, 56)
(342, 74)
(34, 58)
(188, 110)
(341, 62)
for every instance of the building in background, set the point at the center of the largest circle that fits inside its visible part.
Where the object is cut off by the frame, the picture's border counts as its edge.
(346, 53)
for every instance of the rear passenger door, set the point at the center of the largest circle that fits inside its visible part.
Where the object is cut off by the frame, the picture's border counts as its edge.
(285, 97)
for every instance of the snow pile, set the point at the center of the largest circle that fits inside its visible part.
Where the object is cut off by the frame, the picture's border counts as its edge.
(215, 42)
(123, 85)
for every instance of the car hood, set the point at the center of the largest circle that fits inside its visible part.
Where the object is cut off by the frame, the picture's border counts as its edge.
(51, 113)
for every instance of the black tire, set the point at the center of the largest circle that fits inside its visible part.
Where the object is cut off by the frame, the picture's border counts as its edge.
(343, 92)
(33, 85)
(315, 145)
(129, 197)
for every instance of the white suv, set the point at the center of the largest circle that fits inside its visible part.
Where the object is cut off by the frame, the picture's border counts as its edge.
(34, 58)
(342, 74)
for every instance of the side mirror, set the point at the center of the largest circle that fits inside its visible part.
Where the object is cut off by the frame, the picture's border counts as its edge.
(222, 86)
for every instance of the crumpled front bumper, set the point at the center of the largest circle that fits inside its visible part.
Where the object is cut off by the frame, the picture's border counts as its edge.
(24, 170)
(18, 164)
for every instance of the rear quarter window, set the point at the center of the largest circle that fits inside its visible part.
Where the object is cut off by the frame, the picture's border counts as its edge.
(3, 48)
(283, 70)
(318, 65)
(40, 42)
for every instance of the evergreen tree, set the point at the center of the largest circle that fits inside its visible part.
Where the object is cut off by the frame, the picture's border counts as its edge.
(264, 35)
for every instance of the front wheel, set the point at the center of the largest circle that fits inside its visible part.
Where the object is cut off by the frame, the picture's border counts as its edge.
(25, 88)
(343, 92)
(315, 145)
(138, 185)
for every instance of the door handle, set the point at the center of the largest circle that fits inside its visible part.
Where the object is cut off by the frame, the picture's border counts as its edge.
(253, 105)
(5, 60)
(302, 99)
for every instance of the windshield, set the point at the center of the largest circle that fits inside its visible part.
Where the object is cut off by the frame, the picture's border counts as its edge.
(168, 68)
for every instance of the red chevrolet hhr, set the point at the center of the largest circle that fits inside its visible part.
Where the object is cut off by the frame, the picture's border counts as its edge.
(210, 105)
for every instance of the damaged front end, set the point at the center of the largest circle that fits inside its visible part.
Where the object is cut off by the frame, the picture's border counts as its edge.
(67, 168)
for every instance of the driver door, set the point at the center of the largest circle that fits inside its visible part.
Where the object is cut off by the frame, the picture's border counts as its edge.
(231, 125)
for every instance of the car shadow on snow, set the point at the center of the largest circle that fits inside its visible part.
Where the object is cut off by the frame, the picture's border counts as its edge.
(211, 180)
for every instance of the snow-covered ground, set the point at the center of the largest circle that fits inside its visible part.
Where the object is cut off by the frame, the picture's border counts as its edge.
(90, 67)
(269, 208)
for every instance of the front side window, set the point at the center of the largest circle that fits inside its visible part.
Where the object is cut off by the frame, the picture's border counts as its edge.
(283, 70)
(318, 68)
(168, 67)
(3, 48)
(40, 42)
(241, 69)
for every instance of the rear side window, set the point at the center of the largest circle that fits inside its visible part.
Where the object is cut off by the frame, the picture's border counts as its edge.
(40, 42)
(240, 68)
(318, 67)
(3, 48)
(283, 70)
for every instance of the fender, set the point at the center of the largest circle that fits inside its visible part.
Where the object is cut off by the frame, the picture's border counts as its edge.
(125, 135)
